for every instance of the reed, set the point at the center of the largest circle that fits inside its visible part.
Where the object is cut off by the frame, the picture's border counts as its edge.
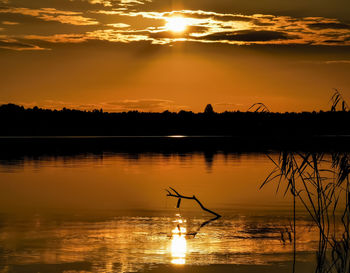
(259, 107)
(320, 182)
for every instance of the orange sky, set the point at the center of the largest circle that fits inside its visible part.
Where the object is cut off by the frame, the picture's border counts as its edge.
(123, 55)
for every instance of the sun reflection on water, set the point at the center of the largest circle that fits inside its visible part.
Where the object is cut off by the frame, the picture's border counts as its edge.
(178, 242)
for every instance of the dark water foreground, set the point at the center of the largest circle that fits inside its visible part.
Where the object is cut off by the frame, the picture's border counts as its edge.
(85, 204)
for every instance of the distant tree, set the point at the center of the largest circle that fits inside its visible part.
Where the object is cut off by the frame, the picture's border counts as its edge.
(183, 112)
(208, 109)
(11, 108)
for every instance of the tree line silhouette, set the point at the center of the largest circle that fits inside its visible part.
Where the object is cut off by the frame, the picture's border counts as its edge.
(19, 121)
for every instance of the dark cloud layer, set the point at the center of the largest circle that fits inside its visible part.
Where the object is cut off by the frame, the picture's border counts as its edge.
(329, 26)
(248, 36)
(14, 45)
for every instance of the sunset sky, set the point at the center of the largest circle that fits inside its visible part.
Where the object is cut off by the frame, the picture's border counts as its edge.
(154, 55)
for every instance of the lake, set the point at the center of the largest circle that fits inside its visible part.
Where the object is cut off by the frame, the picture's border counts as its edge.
(108, 212)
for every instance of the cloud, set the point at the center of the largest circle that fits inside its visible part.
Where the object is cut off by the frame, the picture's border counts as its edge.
(101, 2)
(328, 62)
(118, 25)
(338, 62)
(146, 105)
(162, 33)
(328, 26)
(241, 29)
(115, 3)
(9, 23)
(131, 3)
(247, 36)
(228, 104)
(116, 36)
(59, 38)
(142, 105)
(51, 14)
(16, 45)
(69, 19)
(330, 41)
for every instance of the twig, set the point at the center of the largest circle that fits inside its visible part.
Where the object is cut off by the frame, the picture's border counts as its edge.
(173, 193)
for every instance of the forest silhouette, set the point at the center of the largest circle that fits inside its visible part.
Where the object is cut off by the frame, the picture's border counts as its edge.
(19, 121)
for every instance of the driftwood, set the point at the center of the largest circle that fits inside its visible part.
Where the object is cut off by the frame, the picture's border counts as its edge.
(173, 193)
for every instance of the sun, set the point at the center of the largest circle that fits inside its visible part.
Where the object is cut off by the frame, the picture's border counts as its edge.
(176, 24)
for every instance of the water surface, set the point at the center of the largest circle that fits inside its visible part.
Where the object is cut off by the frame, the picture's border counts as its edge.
(108, 212)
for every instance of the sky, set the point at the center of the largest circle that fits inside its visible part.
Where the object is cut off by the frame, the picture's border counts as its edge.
(156, 55)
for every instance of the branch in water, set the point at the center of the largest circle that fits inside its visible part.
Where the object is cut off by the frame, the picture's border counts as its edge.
(173, 193)
(194, 233)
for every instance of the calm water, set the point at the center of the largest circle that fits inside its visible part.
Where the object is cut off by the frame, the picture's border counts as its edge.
(109, 213)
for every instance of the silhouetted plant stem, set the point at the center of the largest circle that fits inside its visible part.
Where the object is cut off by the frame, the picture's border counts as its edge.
(294, 228)
(320, 194)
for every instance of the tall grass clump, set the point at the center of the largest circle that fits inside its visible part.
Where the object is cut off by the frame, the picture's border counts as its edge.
(320, 182)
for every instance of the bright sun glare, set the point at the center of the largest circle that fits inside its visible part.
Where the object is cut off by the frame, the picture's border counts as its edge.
(178, 243)
(176, 24)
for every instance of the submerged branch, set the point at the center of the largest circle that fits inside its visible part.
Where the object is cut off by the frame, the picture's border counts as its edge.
(173, 193)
